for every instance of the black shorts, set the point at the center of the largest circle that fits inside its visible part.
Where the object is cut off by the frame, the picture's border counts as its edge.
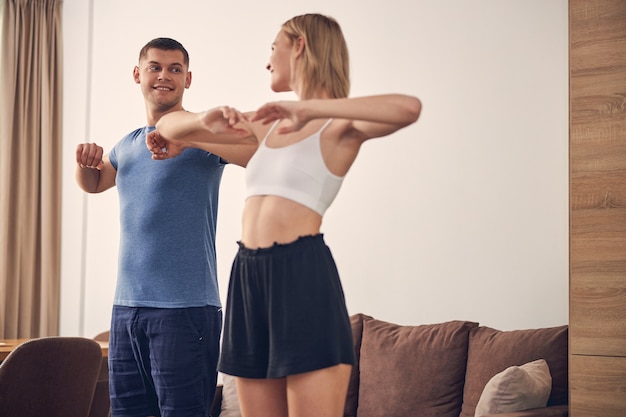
(285, 313)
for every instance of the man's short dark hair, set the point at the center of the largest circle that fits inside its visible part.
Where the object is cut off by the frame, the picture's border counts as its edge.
(165, 44)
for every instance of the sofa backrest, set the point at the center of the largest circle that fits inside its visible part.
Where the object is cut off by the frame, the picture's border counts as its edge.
(408, 370)
(491, 351)
(352, 398)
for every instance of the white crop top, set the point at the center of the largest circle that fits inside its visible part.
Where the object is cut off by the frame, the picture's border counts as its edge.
(295, 171)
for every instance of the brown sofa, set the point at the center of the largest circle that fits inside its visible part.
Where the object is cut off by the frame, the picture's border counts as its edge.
(440, 369)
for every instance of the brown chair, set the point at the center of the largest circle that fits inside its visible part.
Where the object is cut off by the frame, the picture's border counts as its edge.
(101, 404)
(50, 376)
(102, 337)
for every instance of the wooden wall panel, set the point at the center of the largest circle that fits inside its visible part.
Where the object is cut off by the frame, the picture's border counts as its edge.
(598, 177)
(597, 208)
(598, 299)
(597, 386)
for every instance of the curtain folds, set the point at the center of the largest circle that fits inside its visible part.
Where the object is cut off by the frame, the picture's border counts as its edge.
(30, 168)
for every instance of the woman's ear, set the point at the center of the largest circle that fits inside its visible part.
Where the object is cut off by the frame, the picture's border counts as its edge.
(299, 45)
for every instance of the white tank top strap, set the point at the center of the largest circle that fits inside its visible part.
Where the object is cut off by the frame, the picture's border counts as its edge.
(326, 124)
(276, 122)
(270, 130)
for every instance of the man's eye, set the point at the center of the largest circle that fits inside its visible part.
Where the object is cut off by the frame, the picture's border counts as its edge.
(176, 70)
(154, 68)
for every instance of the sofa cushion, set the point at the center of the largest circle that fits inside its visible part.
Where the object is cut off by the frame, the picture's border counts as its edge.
(230, 400)
(412, 370)
(353, 389)
(492, 351)
(517, 388)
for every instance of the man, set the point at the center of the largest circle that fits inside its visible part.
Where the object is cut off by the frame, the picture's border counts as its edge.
(167, 317)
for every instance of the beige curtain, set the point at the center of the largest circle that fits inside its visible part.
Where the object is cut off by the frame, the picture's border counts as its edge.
(30, 168)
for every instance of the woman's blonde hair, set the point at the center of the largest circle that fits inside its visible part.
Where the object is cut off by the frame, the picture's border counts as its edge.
(325, 61)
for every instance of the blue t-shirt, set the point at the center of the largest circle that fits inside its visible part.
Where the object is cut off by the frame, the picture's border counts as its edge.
(168, 212)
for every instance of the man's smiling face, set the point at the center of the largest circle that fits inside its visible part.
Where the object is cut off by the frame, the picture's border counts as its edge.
(163, 76)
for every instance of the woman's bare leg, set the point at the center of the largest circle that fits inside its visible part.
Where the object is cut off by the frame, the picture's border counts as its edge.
(320, 393)
(262, 397)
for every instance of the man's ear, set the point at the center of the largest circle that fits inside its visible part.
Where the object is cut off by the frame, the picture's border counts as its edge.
(188, 80)
(136, 75)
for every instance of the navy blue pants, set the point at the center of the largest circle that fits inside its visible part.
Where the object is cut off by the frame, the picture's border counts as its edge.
(162, 361)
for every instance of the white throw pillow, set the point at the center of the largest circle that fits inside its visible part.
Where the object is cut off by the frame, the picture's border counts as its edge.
(230, 401)
(516, 388)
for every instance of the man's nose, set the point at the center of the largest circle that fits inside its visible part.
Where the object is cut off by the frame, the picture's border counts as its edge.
(163, 75)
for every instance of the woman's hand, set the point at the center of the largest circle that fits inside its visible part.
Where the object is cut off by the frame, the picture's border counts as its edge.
(292, 110)
(225, 120)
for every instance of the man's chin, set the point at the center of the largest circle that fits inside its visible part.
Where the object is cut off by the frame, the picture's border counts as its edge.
(167, 106)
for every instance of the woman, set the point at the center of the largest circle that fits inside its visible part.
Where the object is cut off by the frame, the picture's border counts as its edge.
(287, 335)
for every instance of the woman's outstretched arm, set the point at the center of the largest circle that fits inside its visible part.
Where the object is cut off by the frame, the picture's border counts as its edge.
(371, 116)
(223, 131)
(218, 125)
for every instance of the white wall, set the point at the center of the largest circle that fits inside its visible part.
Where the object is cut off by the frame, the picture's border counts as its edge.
(463, 215)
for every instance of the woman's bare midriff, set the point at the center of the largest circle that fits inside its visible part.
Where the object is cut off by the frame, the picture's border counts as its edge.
(269, 219)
